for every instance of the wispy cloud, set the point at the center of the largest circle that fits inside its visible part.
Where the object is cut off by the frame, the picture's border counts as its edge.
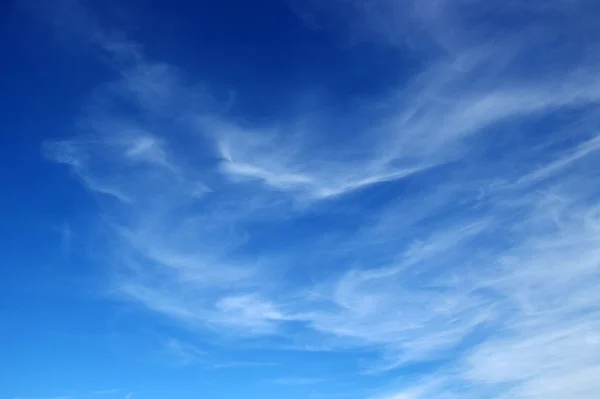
(185, 353)
(485, 260)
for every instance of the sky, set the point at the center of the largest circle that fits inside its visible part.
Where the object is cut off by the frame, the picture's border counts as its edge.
(300, 199)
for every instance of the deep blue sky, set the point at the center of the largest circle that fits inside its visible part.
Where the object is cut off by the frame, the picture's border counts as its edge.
(300, 199)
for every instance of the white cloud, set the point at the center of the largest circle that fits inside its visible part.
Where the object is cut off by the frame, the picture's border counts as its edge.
(496, 280)
(185, 353)
(583, 150)
(249, 311)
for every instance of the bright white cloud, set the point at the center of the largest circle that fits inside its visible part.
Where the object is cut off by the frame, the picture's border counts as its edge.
(488, 260)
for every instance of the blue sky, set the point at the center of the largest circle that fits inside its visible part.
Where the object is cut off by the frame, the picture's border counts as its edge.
(300, 199)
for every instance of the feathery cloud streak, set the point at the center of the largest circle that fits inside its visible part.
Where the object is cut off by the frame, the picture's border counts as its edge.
(486, 263)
